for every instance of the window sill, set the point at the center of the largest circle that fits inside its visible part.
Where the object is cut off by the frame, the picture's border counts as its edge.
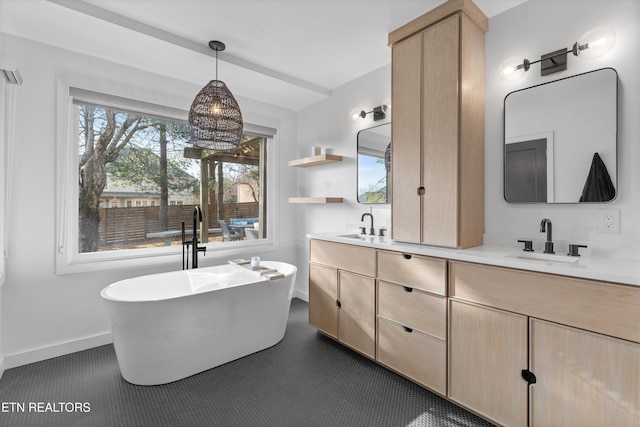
(216, 254)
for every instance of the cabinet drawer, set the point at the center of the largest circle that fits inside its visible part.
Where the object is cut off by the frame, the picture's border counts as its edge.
(415, 309)
(607, 308)
(419, 272)
(413, 354)
(357, 259)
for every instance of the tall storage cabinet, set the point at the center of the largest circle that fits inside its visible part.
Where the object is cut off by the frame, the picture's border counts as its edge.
(438, 127)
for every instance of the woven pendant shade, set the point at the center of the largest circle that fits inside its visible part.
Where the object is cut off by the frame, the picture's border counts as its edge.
(215, 121)
(214, 118)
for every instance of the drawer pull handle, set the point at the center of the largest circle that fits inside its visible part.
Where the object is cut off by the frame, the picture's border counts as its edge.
(420, 191)
(409, 330)
(406, 256)
(338, 304)
(407, 289)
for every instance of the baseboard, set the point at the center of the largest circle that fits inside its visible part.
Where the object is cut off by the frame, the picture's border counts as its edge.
(304, 296)
(49, 352)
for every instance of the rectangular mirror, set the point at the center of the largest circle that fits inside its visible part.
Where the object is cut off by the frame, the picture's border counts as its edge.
(374, 164)
(560, 140)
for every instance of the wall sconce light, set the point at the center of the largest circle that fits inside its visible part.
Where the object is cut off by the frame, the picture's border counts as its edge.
(593, 44)
(379, 113)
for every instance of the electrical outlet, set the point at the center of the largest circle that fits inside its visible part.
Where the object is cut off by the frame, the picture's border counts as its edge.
(608, 221)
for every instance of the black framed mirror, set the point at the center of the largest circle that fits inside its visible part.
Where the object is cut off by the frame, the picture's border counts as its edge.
(560, 140)
(374, 164)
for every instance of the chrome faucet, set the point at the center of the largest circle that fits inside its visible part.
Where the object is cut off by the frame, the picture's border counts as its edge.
(545, 225)
(372, 232)
(197, 219)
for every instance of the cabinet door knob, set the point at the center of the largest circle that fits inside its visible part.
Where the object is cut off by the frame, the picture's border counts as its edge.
(420, 191)
(409, 330)
(338, 304)
(407, 289)
(528, 376)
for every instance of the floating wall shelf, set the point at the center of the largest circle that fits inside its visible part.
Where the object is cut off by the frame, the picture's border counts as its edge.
(315, 160)
(315, 199)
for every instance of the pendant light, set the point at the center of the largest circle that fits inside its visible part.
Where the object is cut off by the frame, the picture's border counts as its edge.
(215, 120)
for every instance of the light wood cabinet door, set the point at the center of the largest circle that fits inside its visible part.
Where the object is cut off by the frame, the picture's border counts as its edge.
(357, 315)
(323, 294)
(583, 379)
(406, 74)
(440, 133)
(487, 353)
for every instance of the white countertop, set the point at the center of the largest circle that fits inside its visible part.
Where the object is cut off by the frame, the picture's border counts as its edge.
(587, 267)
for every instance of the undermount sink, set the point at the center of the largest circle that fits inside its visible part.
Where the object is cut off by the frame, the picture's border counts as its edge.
(352, 236)
(532, 256)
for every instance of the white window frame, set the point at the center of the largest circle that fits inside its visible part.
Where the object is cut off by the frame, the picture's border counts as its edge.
(68, 259)
(5, 127)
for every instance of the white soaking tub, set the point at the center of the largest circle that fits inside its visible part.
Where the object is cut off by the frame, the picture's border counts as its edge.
(173, 325)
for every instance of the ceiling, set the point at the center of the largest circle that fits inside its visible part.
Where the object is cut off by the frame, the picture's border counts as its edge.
(291, 53)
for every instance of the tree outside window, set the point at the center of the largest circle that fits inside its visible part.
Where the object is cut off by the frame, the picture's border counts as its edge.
(125, 157)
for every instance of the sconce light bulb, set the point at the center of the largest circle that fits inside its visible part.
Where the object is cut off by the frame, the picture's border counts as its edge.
(387, 104)
(594, 43)
(513, 69)
(357, 113)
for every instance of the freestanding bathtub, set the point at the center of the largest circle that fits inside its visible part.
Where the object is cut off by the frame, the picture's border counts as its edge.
(169, 326)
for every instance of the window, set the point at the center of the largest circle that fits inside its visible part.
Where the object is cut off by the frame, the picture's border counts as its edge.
(126, 154)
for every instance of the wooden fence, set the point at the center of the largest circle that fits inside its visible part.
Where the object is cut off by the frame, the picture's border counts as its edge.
(123, 225)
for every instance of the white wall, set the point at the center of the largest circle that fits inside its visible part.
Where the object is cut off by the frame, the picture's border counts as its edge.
(327, 124)
(45, 315)
(531, 30)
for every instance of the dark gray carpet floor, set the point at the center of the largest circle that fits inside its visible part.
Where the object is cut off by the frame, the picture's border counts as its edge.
(305, 380)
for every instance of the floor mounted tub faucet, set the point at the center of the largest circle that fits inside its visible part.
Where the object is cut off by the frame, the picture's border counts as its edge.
(197, 219)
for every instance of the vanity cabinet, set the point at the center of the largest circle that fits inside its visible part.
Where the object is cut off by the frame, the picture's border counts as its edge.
(578, 338)
(342, 294)
(488, 351)
(438, 127)
(412, 318)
